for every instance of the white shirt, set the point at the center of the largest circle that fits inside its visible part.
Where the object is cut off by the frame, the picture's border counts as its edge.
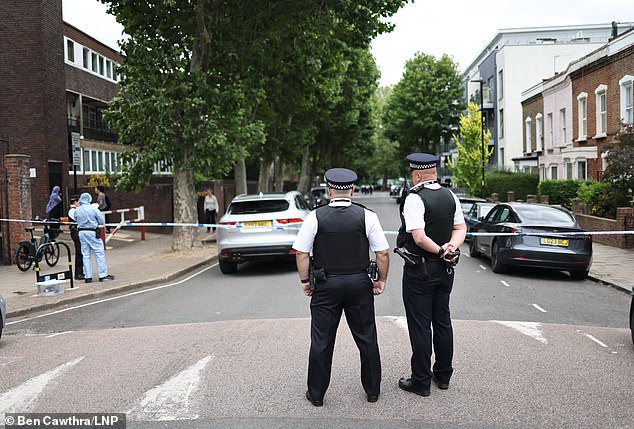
(414, 209)
(374, 232)
(211, 203)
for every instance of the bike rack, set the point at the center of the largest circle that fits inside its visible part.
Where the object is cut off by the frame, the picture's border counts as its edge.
(61, 275)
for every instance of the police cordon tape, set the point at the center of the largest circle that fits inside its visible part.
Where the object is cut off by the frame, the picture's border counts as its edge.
(239, 226)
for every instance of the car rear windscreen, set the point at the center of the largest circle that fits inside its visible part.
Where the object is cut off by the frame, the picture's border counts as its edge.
(258, 206)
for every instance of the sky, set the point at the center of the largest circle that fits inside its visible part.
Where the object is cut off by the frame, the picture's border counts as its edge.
(458, 28)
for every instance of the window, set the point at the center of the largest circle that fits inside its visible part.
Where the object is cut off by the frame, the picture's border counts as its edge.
(542, 172)
(70, 50)
(95, 64)
(601, 110)
(115, 76)
(582, 104)
(553, 172)
(539, 132)
(550, 126)
(109, 69)
(86, 60)
(529, 136)
(86, 154)
(501, 123)
(562, 117)
(490, 84)
(581, 169)
(569, 170)
(93, 157)
(500, 84)
(102, 70)
(627, 85)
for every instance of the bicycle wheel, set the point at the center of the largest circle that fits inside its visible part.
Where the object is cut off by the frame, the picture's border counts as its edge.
(23, 258)
(51, 254)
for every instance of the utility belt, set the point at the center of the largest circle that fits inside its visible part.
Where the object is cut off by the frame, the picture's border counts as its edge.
(95, 230)
(319, 274)
(421, 261)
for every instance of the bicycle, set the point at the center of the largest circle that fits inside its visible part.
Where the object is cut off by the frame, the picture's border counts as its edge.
(29, 251)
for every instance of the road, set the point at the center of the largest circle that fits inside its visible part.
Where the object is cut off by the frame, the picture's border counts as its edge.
(533, 350)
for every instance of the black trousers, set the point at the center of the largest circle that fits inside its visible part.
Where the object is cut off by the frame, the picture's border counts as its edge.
(351, 294)
(429, 321)
(211, 218)
(79, 259)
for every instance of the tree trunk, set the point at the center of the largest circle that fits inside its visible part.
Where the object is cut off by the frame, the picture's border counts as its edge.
(305, 175)
(279, 174)
(265, 176)
(184, 203)
(240, 177)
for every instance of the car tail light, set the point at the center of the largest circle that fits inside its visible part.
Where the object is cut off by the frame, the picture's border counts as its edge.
(287, 221)
(227, 223)
(510, 229)
(292, 251)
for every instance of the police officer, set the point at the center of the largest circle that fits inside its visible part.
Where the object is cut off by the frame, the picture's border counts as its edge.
(74, 234)
(341, 236)
(432, 228)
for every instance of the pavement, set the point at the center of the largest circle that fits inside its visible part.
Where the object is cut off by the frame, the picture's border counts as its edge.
(136, 263)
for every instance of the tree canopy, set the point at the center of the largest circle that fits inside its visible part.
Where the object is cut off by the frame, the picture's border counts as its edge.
(425, 104)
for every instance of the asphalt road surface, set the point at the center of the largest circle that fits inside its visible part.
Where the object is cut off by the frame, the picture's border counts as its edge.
(533, 349)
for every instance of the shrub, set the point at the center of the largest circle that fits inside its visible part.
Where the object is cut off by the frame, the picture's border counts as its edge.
(560, 192)
(501, 182)
(602, 198)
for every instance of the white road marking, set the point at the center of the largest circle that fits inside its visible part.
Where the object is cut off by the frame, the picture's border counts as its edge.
(505, 283)
(596, 340)
(532, 329)
(170, 400)
(539, 308)
(20, 398)
(113, 298)
(59, 333)
(483, 267)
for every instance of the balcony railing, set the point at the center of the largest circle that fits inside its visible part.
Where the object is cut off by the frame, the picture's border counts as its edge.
(93, 129)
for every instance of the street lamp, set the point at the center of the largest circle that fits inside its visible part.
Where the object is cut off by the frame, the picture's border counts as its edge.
(481, 82)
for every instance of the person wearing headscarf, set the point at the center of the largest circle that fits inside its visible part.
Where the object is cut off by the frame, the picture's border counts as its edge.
(89, 218)
(54, 208)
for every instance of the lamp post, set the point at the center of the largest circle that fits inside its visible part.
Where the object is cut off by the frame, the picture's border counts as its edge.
(481, 82)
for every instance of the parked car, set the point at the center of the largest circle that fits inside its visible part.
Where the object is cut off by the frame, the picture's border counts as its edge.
(467, 202)
(320, 194)
(550, 250)
(255, 228)
(396, 191)
(3, 314)
(476, 213)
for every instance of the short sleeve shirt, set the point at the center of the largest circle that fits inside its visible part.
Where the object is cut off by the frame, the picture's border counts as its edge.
(373, 230)
(414, 209)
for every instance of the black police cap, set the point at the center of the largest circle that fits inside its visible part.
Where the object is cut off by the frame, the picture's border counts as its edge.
(340, 178)
(422, 161)
(74, 198)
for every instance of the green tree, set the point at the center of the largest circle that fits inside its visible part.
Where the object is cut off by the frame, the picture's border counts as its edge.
(620, 167)
(424, 106)
(467, 168)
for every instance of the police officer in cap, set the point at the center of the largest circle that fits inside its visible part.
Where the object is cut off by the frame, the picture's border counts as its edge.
(433, 227)
(341, 236)
(74, 234)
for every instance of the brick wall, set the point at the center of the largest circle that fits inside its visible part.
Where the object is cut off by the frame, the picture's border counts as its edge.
(622, 223)
(32, 96)
(19, 192)
(530, 108)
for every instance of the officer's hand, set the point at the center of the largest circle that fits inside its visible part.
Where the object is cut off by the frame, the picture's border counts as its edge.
(378, 287)
(306, 288)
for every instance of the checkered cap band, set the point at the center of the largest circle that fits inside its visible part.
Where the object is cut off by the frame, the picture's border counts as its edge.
(339, 186)
(415, 166)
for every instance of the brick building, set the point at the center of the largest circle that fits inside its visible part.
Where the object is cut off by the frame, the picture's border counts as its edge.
(582, 110)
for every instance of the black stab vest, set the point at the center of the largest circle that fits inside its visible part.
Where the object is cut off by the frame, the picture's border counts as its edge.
(341, 245)
(440, 207)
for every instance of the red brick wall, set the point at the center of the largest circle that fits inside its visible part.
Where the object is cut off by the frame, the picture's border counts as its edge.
(19, 192)
(593, 223)
(530, 108)
(32, 96)
(82, 82)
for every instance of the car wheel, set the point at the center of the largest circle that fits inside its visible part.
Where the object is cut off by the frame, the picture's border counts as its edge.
(228, 267)
(473, 252)
(496, 265)
(579, 275)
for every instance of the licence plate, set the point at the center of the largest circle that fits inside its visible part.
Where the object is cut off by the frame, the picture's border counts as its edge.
(255, 225)
(553, 242)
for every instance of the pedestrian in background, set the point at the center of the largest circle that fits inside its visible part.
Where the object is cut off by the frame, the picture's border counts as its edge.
(432, 226)
(341, 236)
(74, 234)
(89, 218)
(211, 208)
(54, 208)
(104, 202)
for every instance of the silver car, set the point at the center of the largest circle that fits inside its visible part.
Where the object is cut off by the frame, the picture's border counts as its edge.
(259, 226)
(3, 314)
